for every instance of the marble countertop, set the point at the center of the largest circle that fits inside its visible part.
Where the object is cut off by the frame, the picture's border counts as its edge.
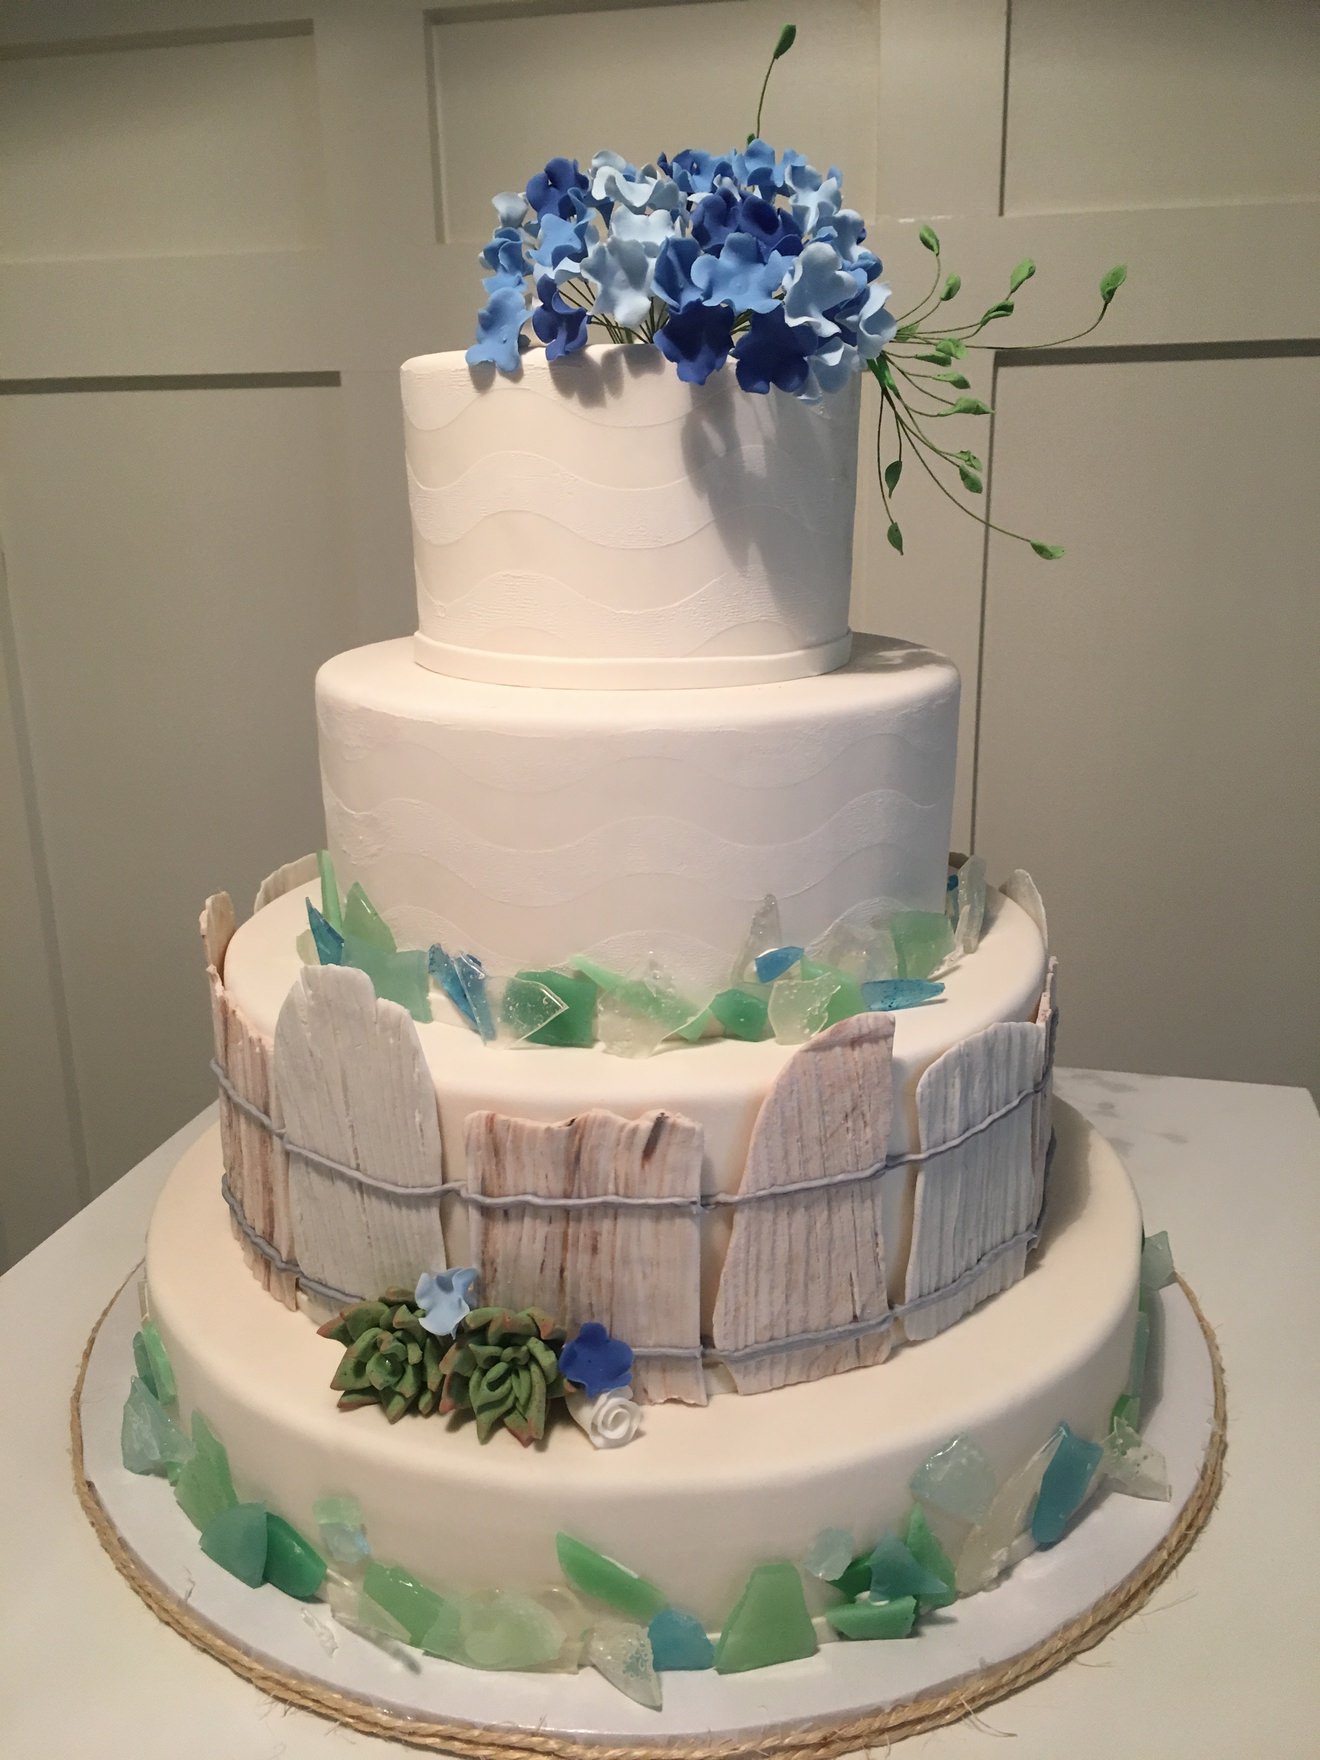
(1220, 1662)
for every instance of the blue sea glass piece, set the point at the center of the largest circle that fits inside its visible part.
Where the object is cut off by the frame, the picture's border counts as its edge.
(328, 941)
(776, 962)
(331, 909)
(679, 1641)
(895, 1573)
(886, 995)
(472, 977)
(441, 968)
(1064, 1486)
(364, 922)
(395, 977)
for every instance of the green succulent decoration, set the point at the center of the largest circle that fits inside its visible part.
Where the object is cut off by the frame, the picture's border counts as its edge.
(391, 1361)
(503, 1367)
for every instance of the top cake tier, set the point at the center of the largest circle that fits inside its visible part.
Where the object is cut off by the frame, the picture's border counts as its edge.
(596, 523)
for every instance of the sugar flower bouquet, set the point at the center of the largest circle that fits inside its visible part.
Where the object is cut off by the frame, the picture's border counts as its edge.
(747, 256)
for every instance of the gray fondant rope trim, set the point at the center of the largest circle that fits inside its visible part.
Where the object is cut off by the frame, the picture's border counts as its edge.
(338, 1298)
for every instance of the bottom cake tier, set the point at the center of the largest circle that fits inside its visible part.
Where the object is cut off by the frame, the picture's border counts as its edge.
(704, 1494)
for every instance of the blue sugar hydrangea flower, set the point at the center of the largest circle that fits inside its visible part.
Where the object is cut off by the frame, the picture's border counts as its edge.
(595, 1361)
(563, 240)
(694, 171)
(499, 327)
(697, 339)
(621, 269)
(830, 368)
(443, 1298)
(672, 277)
(560, 325)
(774, 229)
(511, 206)
(875, 323)
(505, 255)
(736, 275)
(558, 189)
(816, 285)
(755, 166)
(792, 162)
(774, 352)
(845, 232)
(713, 217)
(636, 193)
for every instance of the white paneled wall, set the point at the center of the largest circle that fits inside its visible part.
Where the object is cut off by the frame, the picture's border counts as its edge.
(223, 226)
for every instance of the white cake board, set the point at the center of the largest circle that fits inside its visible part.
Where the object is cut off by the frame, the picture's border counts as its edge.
(296, 1651)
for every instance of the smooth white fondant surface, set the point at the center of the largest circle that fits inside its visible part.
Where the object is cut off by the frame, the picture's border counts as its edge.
(718, 1083)
(597, 509)
(528, 825)
(704, 1494)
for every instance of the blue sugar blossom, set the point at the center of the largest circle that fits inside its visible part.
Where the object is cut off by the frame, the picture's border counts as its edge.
(816, 284)
(505, 255)
(774, 352)
(696, 172)
(672, 278)
(595, 1361)
(830, 368)
(791, 163)
(636, 193)
(714, 217)
(774, 229)
(736, 276)
(622, 269)
(697, 339)
(498, 330)
(875, 324)
(561, 326)
(755, 167)
(443, 1298)
(845, 232)
(558, 189)
(648, 230)
(511, 206)
(563, 241)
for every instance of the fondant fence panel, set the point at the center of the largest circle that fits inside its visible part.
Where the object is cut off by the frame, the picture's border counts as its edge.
(284, 880)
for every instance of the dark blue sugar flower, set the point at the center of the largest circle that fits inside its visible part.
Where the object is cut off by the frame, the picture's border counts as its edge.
(694, 171)
(552, 191)
(736, 276)
(697, 339)
(595, 1361)
(774, 352)
(672, 279)
(774, 229)
(505, 255)
(561, 326)
(713, 217)
(498, 329)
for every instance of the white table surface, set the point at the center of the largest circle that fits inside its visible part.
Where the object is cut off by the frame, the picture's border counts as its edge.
(1223, 1661)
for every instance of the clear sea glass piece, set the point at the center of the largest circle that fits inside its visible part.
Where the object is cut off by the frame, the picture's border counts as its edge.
(472, 976)
(846, 998)
(331, 909)
(363, 922)
(923, 940)
(951, 900)
(931, 1556)
(1064, 1486)
(895, 1573)
(606, 1580)
(572, 1022)
(652, 993)
(293, 1564)
(1132, 1466)
(769, 1624)
(236, 1540)
(874, 1619)
(406, 1600)
(1156, 1261)
(204, 1486)
(971, 904)
(764, 934)
(890, 994)
(743, 1011)
(441, 968)
(505, 1629)
(679, 1641)
(327, 940)
(395, 977)
(986, 1552)
(373, 1620)
(342, 1532)
(621, 1652)
(829, 1554)
(1136, 1381)
(623, 1032)
(800, 1007)
(522, 1007)
(957, 1478)
(774, 962)
(304, 945)
(149, 1439)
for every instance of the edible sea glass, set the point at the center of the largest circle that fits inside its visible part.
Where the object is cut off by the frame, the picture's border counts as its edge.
(1064, 1486)
(800, 1007)
(622, 1653)
(236, 1540)
(846, 998)
(1132, 1466)
(829, 1554)
(573, 1022)
(653, 995)
(1156, 1261)
(764, 934)
(1136, 1381)
(204, 1487)
(679, 1641)
(441, 968)
(293, 1564)
(395, 977)
(472, 976)
(363, 922)
(987, 1549)
(856, 1579)
(957, 1478)
(774, 962)
(742, 1012)
(342, 1532)
(331, 909)
(161, 1377)
(769, 1624)
(326, 939)
(887, 995)
(505, 1629)
(149, 1439)
(931, 1556)
(874, 1619)
(606, 1580)
(895, 1573)
(923, 940)
(971, 904)
(411, 1603)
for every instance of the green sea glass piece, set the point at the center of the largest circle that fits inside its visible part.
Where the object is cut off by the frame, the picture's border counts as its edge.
(856, 1580)
(1004, 1533)
(874, 1619)
(395, 977)
(292, 1563)
(331, 909)
(931, 1556)
(1133, 1466)
(1136, 1381)
(406, 1600)
(653, 996)
(326, 939)
(606, 1580)
(444, 1636)
(342, 1532)
(895, 1573)
(508, 1630)
(829, 1554)
(1064, 1486)
(744, 1013)
(1156, 1262)
(679, 1641)
(149, 1439)
(236, 1540)
(1127, 1410)
(957, 1478)
(846, 999)
(923, 940)
(769, 1624)
(372, 1619)
(622, 1653)
(800, 1007)
(142, 1363)
(575, 1022)
(161, 1380)
(204, 1487)
(363, 922)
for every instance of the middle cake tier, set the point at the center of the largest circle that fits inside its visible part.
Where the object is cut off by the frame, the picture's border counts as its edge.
(528, 825)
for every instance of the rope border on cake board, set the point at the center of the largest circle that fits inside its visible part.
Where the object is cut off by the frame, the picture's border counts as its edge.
(813, 1739)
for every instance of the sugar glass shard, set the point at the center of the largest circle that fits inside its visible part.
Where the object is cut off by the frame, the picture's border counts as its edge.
(743, 1012)
(679, 1641)
(923, 940)
(987, 1549)
(846, 998)
(957, 1478)
(652, 994)
(895, 1573)
(951, 899)
(859, 942)
(622, 1653)
(162, 1374)
(442, 969)
(523, 1008)
(606, 1580)
(829, 1554)
(331, 909)
(204, 1487)
(406, 1600)
(444, 1636)
(236, 1540)
(371, 1619)
(142, 1363)
(764, 934)
(1156, 1261)
(472, 977)
(304, 945)
(505, 1629)
(293, 1564)
(1064, 1486)
(888, 995)
(149, 1439)
(874, 1619)
(326, 939)
(775, 961)
(395, 977)
(769, 1624)
(574, 1021)
(971, 904)
(363, 922)
(931, 1556)
(1136, 1381)
(856, 1579)
(1131, 1465)
(800, 1008)
(342, 1532)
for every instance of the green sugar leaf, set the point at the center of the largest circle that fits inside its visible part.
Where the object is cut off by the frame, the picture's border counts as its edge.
(1110, 284)
(787, 38)
(970, 458)
(895, 536)
(970, 481)
(893, 471)
(952, 287)
(929, 239)
(1024, 271)
(969, 406)
(956, 380)
(750, 138)
(1001, 309)
(1050, 552)
(936, 360)
(951, 345)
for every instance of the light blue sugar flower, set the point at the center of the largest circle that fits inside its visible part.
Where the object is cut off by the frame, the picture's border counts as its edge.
(791, 162)
(498, 329)
(755, 167)
(621, 269)
(635, 192)
(443, 1298)
(875, 325)
(511, 206)
(830, 369)
(816, 207)
(845, 232)
(561, 239)
(504, 254)
(817, 283)
(736, 276)
(651, 231)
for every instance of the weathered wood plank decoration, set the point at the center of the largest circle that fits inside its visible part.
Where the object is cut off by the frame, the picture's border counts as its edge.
(635, 1269)
(973, 1199)
(1047, 1019)
(1021, 888)
(254, 1161)
(285, 879)
(810, 1261)
(354, 1087)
